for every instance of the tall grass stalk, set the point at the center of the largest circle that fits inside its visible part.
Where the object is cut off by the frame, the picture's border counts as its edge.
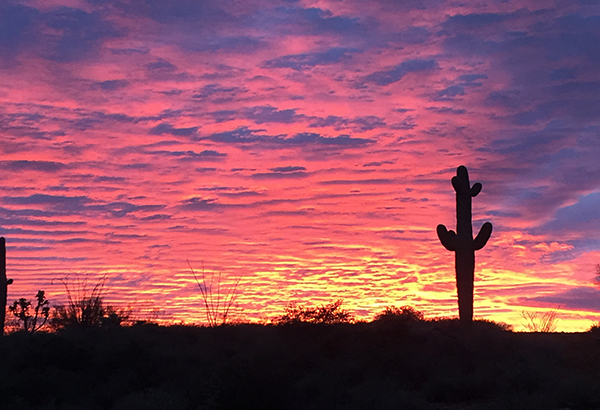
(541, 322)
(217, 308)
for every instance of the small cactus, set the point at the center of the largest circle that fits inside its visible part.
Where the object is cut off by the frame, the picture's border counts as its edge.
(462, 243)
(3, 284)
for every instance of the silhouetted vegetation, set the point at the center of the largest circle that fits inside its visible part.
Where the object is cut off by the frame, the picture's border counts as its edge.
(86, 307)
(540, 322)
(30, 322)
(324, 314)
(217, 306)
(4, 282)
(398, 361)
(401, 314)
(462, 243)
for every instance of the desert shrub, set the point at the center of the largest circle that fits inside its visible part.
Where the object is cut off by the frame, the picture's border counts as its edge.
(540, 322)
(84, 316)
(216, 305)
(86, 308)
(328, 314)
(31, 322)
(595, 328)
(403, 313)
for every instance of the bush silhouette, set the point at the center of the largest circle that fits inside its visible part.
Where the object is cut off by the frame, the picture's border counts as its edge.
(403, 313)
(20, 308)
(540, 322)
(327, 314)
(86, 308)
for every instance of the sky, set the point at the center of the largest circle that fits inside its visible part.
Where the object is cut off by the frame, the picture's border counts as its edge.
(303, 147)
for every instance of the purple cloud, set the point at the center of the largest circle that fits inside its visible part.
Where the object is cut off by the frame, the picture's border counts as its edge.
(308, 60)
(579, 298)
(27, 165)
(399, 71)
(165, 128)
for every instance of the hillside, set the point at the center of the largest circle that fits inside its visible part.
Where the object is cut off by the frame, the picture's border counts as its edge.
(379, 365)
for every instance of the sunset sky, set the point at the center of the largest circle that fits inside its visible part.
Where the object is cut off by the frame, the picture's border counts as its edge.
(305, 147)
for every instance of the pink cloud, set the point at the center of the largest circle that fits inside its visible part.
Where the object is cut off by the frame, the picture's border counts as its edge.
(306, 147)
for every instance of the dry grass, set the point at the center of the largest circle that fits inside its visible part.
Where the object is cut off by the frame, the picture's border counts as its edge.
(217, 306)
(541, 322)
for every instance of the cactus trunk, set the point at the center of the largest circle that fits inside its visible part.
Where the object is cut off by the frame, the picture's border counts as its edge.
(462, 243)
(3, 283)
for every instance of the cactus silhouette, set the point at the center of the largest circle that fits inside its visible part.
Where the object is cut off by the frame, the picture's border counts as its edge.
(3, 284)
(462, 243)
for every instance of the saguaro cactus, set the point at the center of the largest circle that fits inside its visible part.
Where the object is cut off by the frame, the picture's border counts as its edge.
(462, 243)
(3, 284)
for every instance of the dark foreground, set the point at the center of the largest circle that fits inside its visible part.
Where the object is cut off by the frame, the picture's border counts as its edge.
(374, 366)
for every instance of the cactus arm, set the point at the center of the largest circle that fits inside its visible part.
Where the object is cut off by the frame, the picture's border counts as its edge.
(483, 236)
(476, 189)
(447, 238)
